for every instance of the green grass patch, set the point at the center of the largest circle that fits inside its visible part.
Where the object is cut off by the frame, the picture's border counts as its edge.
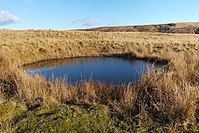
(81, 118)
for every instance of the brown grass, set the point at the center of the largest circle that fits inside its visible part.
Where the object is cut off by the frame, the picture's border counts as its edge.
(161, 97)
(32, 46)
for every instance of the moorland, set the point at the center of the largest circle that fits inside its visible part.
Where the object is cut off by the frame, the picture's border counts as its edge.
(163, 100)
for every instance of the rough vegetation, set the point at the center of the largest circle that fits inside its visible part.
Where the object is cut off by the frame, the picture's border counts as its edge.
(165, 100)
(188, 28)
(32, 46)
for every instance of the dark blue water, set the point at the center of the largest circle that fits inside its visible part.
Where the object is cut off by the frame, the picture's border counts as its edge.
(109, 69)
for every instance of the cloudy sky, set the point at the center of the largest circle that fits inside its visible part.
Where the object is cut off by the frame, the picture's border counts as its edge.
(71, 14)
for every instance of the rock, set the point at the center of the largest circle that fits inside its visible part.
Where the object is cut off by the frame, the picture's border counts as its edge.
(197, 31)
(168, 28)
(172, 24)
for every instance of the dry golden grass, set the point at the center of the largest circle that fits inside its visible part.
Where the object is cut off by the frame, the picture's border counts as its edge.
(161, 97)
(32, 46)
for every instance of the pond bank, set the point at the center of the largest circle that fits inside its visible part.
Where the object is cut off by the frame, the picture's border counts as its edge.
(145, 106)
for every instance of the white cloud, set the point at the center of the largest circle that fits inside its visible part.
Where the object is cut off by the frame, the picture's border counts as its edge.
(86, 22)
(7, 18)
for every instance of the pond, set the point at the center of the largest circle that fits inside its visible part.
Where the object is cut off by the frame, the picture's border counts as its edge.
(107, 69)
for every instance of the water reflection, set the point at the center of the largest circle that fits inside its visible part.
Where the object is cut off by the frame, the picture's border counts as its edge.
(108, 69)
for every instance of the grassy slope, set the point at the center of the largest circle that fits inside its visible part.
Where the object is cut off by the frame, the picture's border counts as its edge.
(24, 47)
(189, 28)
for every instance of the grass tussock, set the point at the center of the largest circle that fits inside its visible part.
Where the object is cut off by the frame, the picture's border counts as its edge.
(164, 100)
(160, 98)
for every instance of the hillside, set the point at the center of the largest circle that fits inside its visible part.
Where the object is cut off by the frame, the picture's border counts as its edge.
(190, 28)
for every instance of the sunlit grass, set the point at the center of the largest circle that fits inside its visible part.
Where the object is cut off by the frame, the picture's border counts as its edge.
(165, 100)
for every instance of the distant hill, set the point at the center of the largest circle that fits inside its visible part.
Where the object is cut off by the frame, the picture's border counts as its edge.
(190, 28)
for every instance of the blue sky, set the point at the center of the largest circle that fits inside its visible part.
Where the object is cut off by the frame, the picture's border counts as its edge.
(71, 14)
